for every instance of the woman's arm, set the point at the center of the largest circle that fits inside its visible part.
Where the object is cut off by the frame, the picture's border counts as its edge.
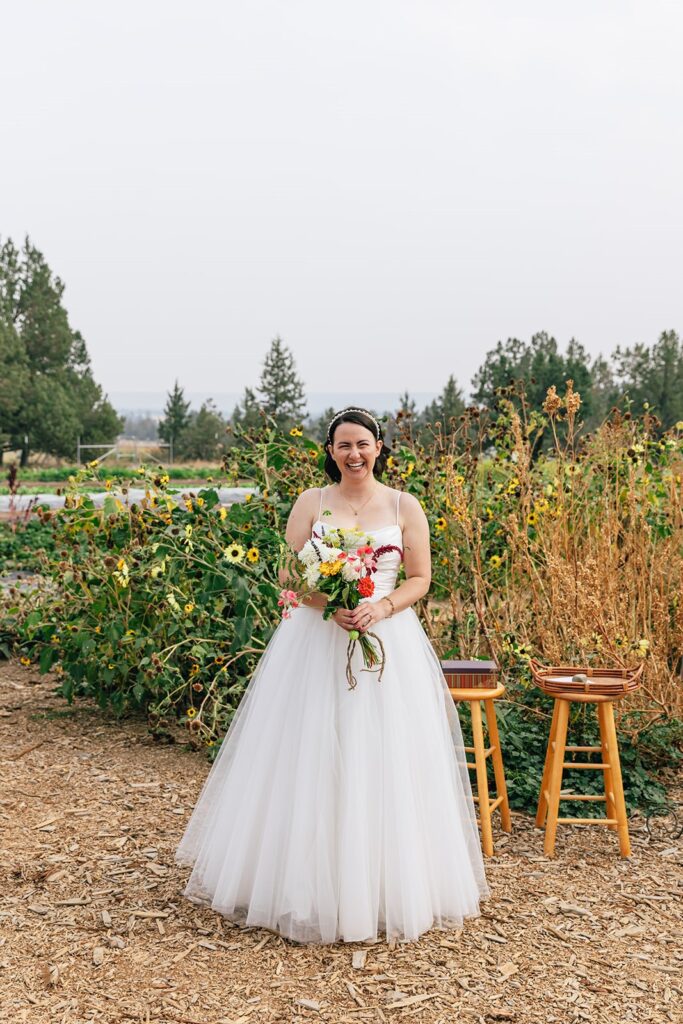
(417, 561)
(298, 531)
(299, 526)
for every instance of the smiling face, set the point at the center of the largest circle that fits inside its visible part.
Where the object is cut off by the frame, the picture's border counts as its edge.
(354, 449)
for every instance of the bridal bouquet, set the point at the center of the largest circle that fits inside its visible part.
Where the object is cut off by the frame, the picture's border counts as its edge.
(341, 565)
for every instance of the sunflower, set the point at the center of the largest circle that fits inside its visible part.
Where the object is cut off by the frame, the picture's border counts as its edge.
(495, 561)
(532, 519)
(189, 608)
(296, 432)
(191, 712)
(234, 553)
(441, 523)
(25, 661)
(253, 555)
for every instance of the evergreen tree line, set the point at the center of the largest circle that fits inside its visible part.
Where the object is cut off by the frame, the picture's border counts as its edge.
(634, 378)
(49, 397)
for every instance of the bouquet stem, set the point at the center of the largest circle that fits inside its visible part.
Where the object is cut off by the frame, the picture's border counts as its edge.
(374, 660)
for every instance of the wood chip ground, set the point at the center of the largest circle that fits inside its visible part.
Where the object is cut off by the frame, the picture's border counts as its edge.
(93, 926)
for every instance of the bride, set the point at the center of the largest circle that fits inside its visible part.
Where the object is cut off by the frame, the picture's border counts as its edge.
(333, 814)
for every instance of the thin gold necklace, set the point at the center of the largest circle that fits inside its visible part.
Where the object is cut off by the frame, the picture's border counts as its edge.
(360, 507)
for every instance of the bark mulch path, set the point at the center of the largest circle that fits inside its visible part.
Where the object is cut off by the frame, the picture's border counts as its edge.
(93, 926)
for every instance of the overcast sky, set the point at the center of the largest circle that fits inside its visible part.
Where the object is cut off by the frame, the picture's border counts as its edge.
(392, 187)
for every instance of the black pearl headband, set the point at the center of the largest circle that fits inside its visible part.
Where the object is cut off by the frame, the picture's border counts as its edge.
(364, 412)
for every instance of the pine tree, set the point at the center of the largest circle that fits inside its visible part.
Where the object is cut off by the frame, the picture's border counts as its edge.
(405, 419)
(447, 408)
(317, 425)
(654, 376)
(282, 394)
(246, 414)
(54, 397)
(204, 437)
(176, 418)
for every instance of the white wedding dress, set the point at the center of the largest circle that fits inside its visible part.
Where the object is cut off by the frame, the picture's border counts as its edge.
(332, 814)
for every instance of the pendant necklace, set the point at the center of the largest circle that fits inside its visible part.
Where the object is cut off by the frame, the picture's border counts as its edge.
(360, 507)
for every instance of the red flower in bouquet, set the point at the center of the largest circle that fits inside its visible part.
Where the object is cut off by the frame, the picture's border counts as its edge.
(366, 587)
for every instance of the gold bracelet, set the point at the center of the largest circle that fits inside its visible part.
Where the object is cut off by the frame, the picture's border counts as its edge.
(391, 603)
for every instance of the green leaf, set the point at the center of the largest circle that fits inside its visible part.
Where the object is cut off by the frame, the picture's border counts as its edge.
(47, 657)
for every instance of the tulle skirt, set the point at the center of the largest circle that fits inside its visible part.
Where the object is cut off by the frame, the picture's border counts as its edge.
(334, 814)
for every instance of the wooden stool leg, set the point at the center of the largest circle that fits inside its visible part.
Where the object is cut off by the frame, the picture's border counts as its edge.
(482, 780)
(619, 802)
(545, 781)
(498, 769)
(610, 809)
(555, 780)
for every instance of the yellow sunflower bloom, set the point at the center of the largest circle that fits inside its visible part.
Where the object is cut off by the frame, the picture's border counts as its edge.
(191, 712)
(234, 553)
(296, 432)
(441, 523)
(253, 555)
(495, 561)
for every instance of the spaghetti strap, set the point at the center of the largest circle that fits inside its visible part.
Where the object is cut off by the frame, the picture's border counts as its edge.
(398, 498)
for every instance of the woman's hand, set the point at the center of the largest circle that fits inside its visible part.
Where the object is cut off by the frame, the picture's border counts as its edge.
(344, 618)
(368, 614)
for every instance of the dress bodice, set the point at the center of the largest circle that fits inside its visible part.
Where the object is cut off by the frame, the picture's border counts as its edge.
(388, 565)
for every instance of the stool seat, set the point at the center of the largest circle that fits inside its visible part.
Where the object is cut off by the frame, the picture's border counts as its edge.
(477, 683)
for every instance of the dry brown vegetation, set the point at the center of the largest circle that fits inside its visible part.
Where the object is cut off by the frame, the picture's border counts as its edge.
(576, 558)
(93, 925)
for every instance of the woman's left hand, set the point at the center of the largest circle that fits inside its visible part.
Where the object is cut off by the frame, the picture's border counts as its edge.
(368, 614)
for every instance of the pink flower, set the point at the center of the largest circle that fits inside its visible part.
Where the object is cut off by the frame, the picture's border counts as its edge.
(367, 556)
(287, 600)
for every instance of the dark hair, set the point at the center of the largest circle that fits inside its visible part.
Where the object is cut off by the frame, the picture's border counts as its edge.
(361, 418)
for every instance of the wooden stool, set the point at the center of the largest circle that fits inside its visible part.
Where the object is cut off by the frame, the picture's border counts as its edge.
(476, 681)
(560, 683)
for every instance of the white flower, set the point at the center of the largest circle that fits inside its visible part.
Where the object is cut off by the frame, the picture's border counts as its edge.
(329, 554)
(312, 574)
(351, 569)
(308, 555)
